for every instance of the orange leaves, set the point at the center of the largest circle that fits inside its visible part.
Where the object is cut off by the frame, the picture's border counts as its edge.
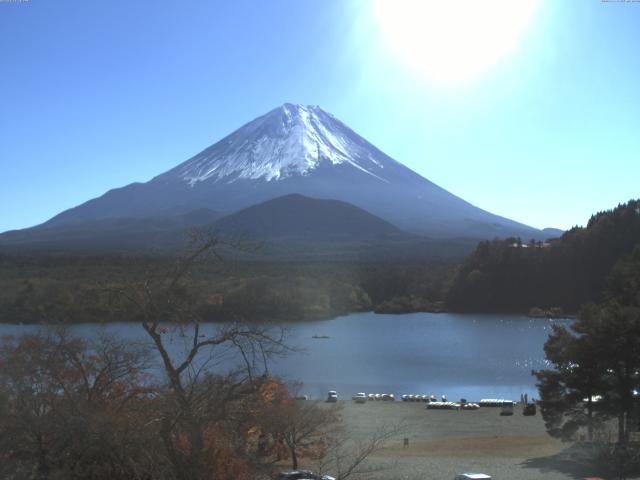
(73, 405)
(222, 460)
(272, 391)
(215, 300)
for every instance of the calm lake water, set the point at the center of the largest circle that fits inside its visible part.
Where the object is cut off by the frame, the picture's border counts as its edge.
(471, 356)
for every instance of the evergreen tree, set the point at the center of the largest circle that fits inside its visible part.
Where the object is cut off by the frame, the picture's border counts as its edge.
(596, 361)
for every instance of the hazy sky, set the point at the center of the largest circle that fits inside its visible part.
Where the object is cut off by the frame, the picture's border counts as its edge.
(98, 94)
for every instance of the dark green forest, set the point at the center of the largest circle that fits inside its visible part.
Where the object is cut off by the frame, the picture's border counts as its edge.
(591, 390)
(509, 275)
(81, 289)
(515, 276)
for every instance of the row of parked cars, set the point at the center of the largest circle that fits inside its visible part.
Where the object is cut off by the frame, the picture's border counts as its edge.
(362, 397)
(303, 475)
(309, 475)
(452, 406)
(506, 406)
(420, 398)
(385, 397)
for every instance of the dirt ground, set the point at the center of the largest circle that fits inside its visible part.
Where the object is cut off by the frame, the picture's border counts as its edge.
(443, 443)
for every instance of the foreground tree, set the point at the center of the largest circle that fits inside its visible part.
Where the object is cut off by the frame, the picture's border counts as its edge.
(597, 358)
(304, 428)
(571, 392)
(74, 409)
(197, 401)
(596, 374)
(347, 457)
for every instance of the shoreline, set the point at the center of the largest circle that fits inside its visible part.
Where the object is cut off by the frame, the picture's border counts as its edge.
(285, 321)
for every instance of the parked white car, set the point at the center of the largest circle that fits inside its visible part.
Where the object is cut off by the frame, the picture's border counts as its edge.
(303, 475)
(472, 476)
(360, 397)
(507, 408)
(332, 396)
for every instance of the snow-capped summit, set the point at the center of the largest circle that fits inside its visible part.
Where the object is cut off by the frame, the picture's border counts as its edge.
(289, 140)
(297, 149)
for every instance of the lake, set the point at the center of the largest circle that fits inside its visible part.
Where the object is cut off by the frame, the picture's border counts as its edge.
(459, 355)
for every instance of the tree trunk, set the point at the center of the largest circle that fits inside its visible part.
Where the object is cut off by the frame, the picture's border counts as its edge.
(196, 450)
(43, 465)
(294, 459)
(621, 429)
(174, 458)
(590, 417)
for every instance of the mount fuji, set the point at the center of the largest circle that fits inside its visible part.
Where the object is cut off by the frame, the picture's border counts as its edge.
(293, 149)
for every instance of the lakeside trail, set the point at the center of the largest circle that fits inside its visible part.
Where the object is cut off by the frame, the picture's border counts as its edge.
(443, 443)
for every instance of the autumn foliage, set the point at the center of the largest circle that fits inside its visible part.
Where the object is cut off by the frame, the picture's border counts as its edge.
(74, 409)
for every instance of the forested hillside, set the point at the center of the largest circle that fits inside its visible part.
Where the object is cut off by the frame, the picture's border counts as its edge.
(500, 276)
(80, 289)
(509, 275)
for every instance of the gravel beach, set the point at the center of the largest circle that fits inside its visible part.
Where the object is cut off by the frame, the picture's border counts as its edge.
(443, 443)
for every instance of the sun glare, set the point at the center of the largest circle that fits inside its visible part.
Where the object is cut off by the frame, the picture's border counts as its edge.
(452, 41)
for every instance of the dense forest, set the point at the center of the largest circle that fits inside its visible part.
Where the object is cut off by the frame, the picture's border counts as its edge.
(69, 289)
(500, 276)
(509, 275)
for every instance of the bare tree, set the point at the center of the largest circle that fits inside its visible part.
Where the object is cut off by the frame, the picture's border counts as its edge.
(303, 427)
(349, 458)
(168, 308)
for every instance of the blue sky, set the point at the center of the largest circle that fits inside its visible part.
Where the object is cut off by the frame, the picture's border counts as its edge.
(95, 95)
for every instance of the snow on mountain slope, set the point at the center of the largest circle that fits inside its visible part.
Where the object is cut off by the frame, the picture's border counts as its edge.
(290, 140)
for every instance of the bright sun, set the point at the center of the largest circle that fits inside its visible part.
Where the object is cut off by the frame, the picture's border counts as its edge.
(452, 40)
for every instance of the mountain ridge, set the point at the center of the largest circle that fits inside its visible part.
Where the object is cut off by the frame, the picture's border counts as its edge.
(304, 150)
(292, 227)
(298, 216)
